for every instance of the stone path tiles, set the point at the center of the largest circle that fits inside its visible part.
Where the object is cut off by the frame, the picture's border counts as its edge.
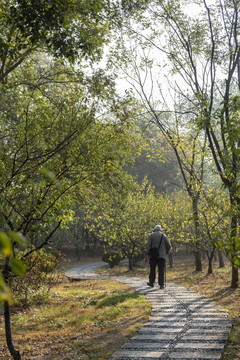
(183, 324)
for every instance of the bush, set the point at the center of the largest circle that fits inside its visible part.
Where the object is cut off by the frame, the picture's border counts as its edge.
(112, 257)
(39, 278)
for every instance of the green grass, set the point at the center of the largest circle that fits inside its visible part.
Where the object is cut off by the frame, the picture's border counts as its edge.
(87, 319)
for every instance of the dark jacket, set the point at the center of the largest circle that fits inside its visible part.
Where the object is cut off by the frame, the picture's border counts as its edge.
(154, 241)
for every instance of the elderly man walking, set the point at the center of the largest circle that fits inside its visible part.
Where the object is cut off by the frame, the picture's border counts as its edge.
(158, 247)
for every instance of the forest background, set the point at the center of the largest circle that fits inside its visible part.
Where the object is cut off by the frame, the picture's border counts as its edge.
(86, 165)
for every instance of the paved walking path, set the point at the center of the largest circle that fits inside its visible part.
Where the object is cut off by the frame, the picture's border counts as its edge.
(183, 325)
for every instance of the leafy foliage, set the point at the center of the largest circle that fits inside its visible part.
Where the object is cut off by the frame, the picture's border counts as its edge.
(125, 220)
(112, 257)
(40, 276)
(65, 29)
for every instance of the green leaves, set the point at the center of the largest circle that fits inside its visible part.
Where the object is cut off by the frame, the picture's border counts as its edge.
(18, 267)
(5, 294)
(5, 245)
(125, 219)
(18, 238)
(48, 174)
(64, 28)
(6, 249)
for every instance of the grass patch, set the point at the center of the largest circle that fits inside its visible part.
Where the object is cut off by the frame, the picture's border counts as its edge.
(86, 319)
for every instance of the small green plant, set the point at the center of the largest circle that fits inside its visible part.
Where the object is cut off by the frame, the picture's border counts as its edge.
(112, 257)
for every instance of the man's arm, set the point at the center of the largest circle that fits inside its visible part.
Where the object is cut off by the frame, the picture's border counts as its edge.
(148, 247)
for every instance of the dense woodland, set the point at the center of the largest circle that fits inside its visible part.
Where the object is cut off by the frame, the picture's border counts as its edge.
(89, 164)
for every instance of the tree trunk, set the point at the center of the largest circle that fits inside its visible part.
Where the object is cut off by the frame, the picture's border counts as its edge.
(234, 283)
(197, 251)
(220, 259)
(15, 353)
(210, 260)
(234, 226)
(198, 260)
(130, 263)
(170, 259)
(210, 268)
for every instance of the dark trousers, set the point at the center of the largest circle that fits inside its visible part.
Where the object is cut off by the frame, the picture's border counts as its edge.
(161, 267)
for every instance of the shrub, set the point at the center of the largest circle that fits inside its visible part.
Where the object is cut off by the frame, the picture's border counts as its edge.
(39, 278)
(112, 257)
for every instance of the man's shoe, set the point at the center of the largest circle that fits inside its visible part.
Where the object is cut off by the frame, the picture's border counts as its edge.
(161, 286)
(150, 284)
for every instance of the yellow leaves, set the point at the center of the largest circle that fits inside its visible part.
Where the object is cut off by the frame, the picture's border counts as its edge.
(66, 217)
